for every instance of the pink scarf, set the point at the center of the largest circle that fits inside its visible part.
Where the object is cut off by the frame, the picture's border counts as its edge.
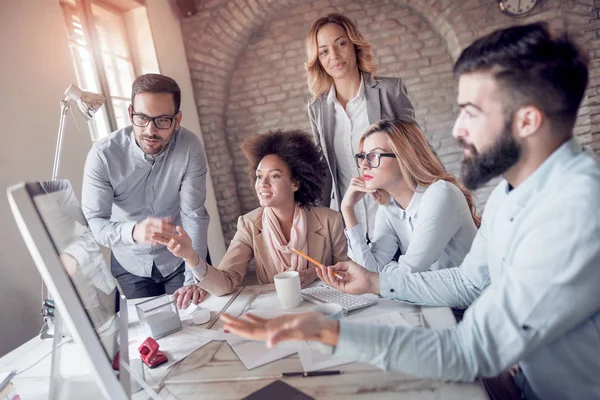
(279, 249)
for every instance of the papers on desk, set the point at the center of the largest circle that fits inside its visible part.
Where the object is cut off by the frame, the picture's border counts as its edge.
(179, 345)
(389, 319)
(266, 301)
(176, 346)
(217, 335)
(254, 354)
(215, 303)
(315, 356)
(250, 352)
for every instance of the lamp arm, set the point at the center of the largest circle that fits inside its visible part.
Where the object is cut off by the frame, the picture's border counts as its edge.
(64, 107)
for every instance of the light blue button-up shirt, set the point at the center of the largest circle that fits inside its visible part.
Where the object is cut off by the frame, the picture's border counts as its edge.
(434, 232)
(122, 186)
(532, 284)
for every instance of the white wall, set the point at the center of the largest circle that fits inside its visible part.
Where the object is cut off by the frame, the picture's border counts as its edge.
(157, 46)
(36, 69)
(141, 43)
(170, 52)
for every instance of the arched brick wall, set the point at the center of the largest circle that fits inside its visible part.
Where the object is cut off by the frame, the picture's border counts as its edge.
(246, 61)
(405, 45)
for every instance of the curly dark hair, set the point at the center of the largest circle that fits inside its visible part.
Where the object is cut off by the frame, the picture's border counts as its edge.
(302, 156)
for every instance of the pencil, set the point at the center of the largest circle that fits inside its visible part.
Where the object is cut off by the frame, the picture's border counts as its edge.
(312, 260)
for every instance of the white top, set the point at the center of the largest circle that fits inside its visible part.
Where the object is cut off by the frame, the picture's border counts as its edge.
(434, 232)
(349, 126)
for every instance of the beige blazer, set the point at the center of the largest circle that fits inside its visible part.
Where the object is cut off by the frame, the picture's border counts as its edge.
(326, 244)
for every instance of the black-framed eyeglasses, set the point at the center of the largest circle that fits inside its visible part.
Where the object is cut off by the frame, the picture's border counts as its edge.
(160, 122)
(373, 159)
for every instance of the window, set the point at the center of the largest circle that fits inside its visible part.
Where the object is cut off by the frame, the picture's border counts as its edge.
(103, 63)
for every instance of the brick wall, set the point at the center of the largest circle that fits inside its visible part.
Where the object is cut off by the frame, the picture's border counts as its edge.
(246, 60)
(591, 30)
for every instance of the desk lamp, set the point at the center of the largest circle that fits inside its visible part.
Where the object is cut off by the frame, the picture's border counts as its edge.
(88, 104)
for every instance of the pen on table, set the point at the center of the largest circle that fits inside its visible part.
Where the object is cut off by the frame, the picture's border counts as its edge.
(312, 260)
(309, 374)
(250, 378)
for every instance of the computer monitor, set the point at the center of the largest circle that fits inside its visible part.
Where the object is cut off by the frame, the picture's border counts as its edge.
(73, 268)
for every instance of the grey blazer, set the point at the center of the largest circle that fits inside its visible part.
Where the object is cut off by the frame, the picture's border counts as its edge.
(386, 99)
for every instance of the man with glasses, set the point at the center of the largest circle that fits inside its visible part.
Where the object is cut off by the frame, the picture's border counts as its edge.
(145, 180)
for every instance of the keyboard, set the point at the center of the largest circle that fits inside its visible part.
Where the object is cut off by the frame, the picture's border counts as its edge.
(326, 294)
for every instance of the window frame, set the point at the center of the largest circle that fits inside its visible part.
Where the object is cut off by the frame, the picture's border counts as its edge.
(83, 8)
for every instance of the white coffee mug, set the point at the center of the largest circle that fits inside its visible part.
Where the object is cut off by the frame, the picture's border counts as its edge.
(287, 285)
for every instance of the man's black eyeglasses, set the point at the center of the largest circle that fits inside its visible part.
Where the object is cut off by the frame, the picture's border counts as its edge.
(160, 122)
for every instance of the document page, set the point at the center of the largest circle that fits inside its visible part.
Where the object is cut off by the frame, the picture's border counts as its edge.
(315, 356)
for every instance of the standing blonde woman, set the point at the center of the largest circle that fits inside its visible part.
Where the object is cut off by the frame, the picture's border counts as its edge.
(347, 99)
(425, 212)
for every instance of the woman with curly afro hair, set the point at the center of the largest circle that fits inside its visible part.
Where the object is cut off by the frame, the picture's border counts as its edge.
(288, 174)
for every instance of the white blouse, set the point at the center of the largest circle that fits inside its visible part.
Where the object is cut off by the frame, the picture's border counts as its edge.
(349, 126)
(434, 232)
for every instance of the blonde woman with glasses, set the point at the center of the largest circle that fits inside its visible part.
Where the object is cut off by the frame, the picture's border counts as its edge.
(348, 98)
(425, 212)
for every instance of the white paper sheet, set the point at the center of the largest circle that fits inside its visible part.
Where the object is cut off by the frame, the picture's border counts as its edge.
(267, 300)
(217, 335)
(392, 318)
(254, 354)
(215, 303)
(315, 356)
(176, 346)
(251, 353)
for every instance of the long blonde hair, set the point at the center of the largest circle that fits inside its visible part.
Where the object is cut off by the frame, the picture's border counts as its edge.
(319, 82)
(418, 164)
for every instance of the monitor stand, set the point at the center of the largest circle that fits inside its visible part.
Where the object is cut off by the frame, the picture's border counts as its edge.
(64, 384)
(85, 386)
(47, 332)
(73, 387)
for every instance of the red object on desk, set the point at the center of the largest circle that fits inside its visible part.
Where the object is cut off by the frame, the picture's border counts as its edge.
(150, 354)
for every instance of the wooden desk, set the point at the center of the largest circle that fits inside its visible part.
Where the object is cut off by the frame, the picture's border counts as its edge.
(358, 381)
(216, 360)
